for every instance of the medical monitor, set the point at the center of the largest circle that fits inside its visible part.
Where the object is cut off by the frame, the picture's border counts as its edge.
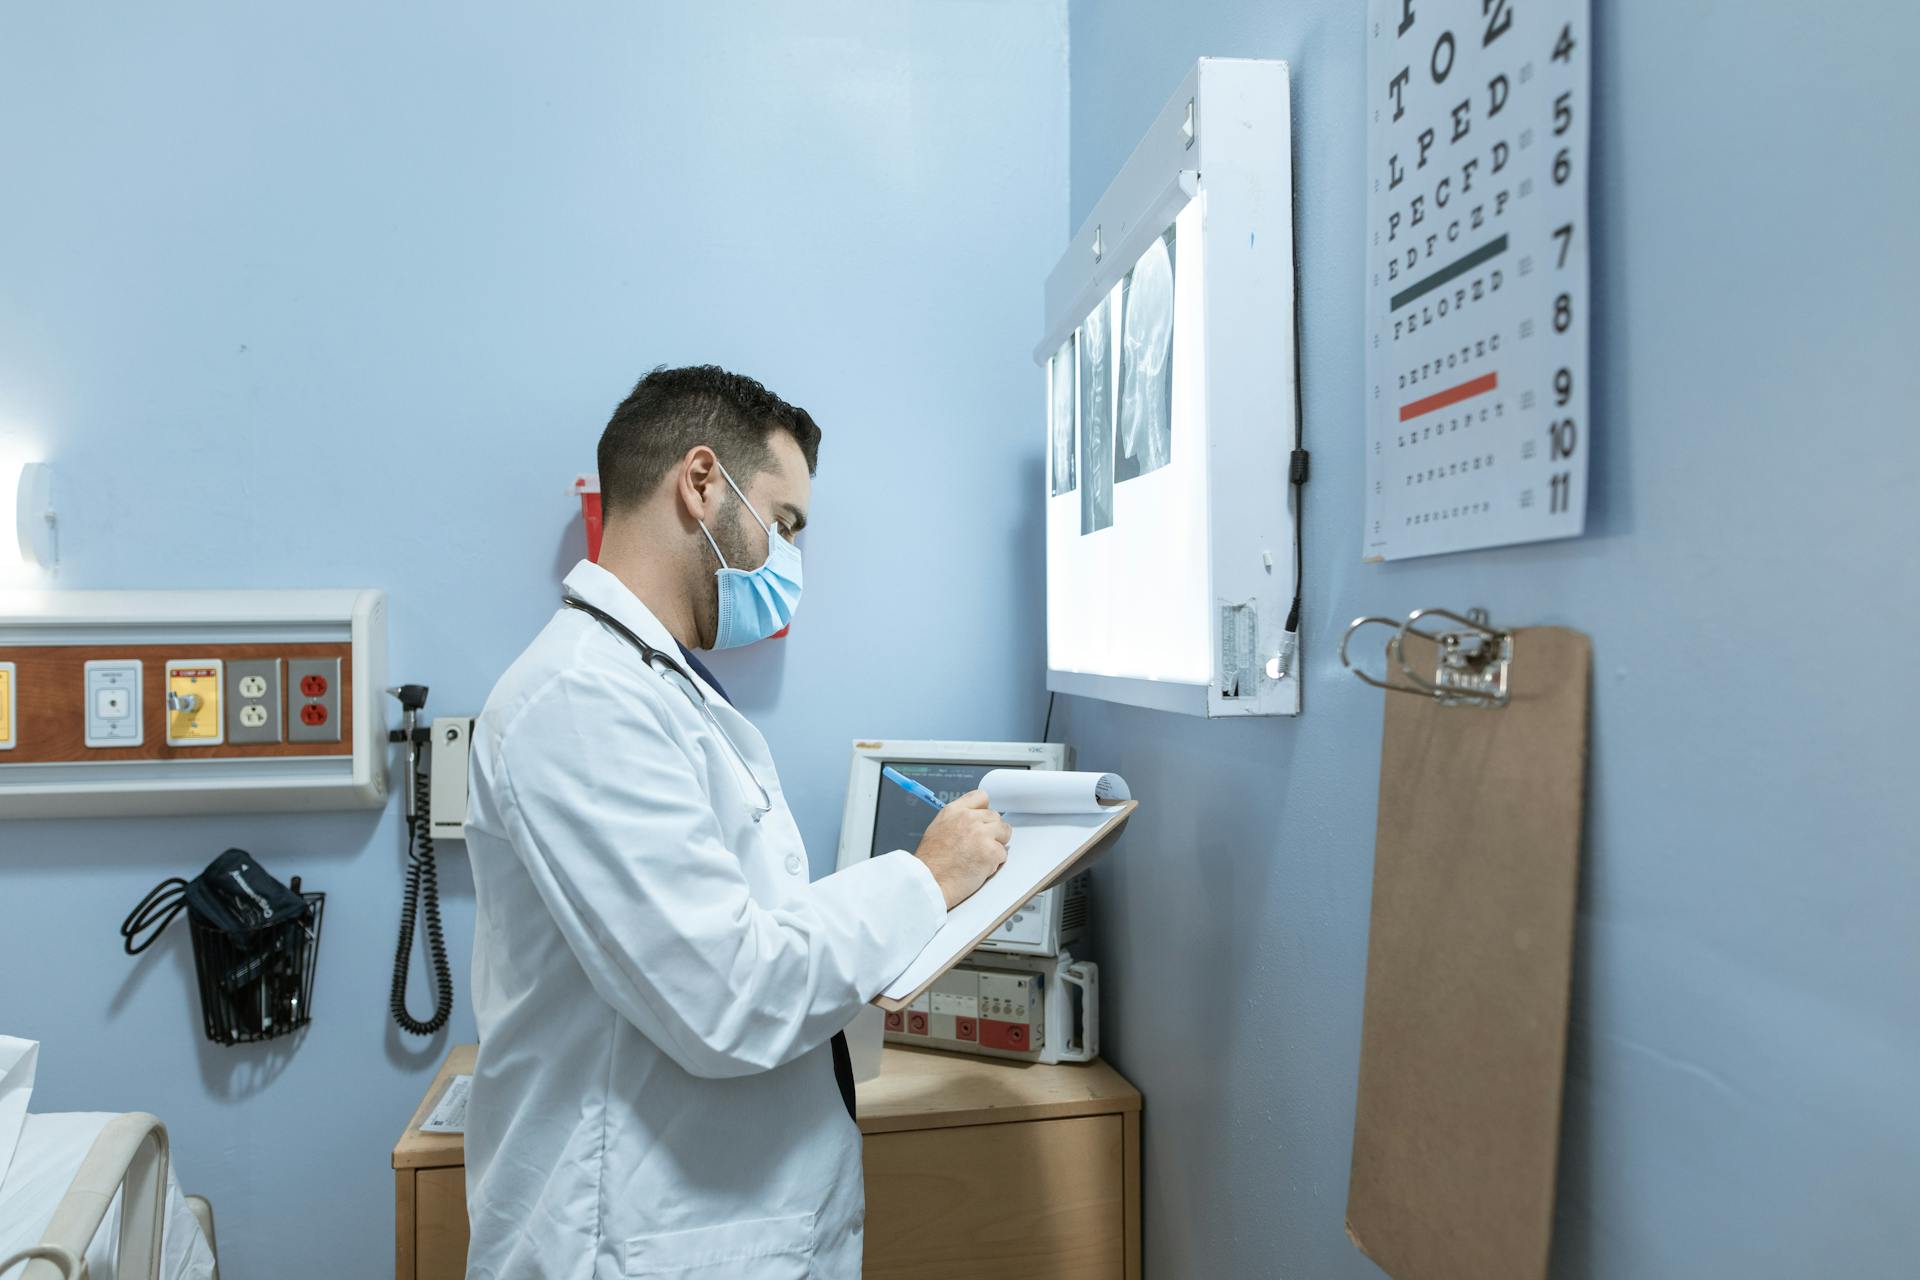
(880, 817)
(899, 820)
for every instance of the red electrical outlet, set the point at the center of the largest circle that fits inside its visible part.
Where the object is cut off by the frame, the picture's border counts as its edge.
(314, 710)
(995, 1034)
(917, 1023)
(966, 1029)
(896, 1022)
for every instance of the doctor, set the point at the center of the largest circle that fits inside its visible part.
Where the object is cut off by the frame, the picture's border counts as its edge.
(657, 984)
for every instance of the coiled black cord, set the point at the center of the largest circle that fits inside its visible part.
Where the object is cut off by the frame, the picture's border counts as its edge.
(423, 889)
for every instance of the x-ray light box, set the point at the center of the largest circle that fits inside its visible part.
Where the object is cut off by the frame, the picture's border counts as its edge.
(1169, 355)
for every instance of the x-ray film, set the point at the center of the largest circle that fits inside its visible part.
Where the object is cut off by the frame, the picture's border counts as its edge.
(1129, 592)
(1146, 363)
(1128, 584)
(1096, 416)
(1060, 420)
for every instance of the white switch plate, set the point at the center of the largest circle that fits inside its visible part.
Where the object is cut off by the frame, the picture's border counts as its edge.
(117, 680)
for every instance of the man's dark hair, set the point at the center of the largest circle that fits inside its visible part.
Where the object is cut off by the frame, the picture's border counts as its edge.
(671, 410)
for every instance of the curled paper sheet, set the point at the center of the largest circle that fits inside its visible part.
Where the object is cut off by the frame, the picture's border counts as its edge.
(1047, 791)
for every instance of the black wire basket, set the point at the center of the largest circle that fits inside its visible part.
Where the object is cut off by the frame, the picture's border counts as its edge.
(257, 984)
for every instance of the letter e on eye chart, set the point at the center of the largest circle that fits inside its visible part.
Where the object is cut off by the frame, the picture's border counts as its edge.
(1477, 297)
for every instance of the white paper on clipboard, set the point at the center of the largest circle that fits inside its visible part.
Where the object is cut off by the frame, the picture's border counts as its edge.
(1056, 817)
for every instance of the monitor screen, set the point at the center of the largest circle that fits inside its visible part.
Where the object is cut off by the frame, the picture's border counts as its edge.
(899, 820)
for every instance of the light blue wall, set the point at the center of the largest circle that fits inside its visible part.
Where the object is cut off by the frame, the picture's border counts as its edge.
(342, 296)
(396, 267)
(1746, 1040)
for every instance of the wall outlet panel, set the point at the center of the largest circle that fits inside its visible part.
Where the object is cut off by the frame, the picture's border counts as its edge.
(53, 693)
(255, 700)
(235, 752)
(313, 700)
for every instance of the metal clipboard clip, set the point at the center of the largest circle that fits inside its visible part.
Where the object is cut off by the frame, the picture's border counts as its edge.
(1470, 668)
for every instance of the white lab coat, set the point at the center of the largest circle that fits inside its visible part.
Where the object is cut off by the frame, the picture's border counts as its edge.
(656, 980)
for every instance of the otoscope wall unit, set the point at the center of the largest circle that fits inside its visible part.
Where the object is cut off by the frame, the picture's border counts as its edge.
(191, 702)
(1173, 435)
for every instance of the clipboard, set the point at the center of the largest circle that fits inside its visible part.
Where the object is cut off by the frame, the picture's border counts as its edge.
(948, 948)
(1470, 956)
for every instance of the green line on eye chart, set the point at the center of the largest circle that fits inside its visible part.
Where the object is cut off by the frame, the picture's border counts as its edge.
(1458, 267)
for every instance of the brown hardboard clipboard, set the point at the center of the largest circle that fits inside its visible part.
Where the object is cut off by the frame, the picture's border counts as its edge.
(1456, 1129)
(1085, 853)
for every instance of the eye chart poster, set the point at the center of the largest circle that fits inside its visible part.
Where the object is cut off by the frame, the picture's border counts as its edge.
(1477, 298)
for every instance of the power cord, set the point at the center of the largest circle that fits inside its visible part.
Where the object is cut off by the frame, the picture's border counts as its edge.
(1296, 484)
(1297, 481)
(423, 881)
(423, 892)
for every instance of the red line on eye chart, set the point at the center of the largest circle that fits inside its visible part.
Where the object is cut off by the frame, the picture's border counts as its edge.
(1452, 395)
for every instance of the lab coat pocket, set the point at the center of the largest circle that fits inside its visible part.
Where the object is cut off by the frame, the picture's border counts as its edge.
(756, 1249)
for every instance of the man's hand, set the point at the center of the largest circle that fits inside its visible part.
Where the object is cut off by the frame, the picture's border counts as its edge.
(965, 844)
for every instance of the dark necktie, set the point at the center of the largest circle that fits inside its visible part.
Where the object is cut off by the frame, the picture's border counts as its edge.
(842, 1059)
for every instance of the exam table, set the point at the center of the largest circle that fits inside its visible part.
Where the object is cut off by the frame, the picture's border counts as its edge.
(92, 1194)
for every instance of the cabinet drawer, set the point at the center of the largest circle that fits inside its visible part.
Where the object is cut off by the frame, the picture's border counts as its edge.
(1035, 1200)
(440, 1224)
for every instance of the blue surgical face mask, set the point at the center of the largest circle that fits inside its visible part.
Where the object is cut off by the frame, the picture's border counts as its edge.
(755, 603)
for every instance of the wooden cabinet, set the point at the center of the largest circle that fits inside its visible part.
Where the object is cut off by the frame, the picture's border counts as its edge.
(430, 1189)
(974, 1167)
(980, 1167)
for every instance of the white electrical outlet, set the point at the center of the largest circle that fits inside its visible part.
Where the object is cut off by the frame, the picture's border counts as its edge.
(253, 700)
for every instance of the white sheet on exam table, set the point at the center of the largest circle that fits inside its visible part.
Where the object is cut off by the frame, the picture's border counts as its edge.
(19, 1062)
(49, 1153)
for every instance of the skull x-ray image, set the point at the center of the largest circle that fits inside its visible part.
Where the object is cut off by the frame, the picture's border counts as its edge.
(1060, 422)
(1096, 418)
(1146, 363)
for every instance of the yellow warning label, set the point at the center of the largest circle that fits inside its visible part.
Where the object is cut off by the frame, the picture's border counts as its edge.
(193, 704)
(6, 706)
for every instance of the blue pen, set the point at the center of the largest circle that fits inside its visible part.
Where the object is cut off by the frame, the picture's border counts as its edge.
(911, 787)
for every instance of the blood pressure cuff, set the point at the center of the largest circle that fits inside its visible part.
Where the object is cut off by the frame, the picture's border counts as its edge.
(235, 895)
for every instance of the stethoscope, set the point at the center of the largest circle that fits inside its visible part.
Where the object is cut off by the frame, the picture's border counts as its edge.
(669, 667)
